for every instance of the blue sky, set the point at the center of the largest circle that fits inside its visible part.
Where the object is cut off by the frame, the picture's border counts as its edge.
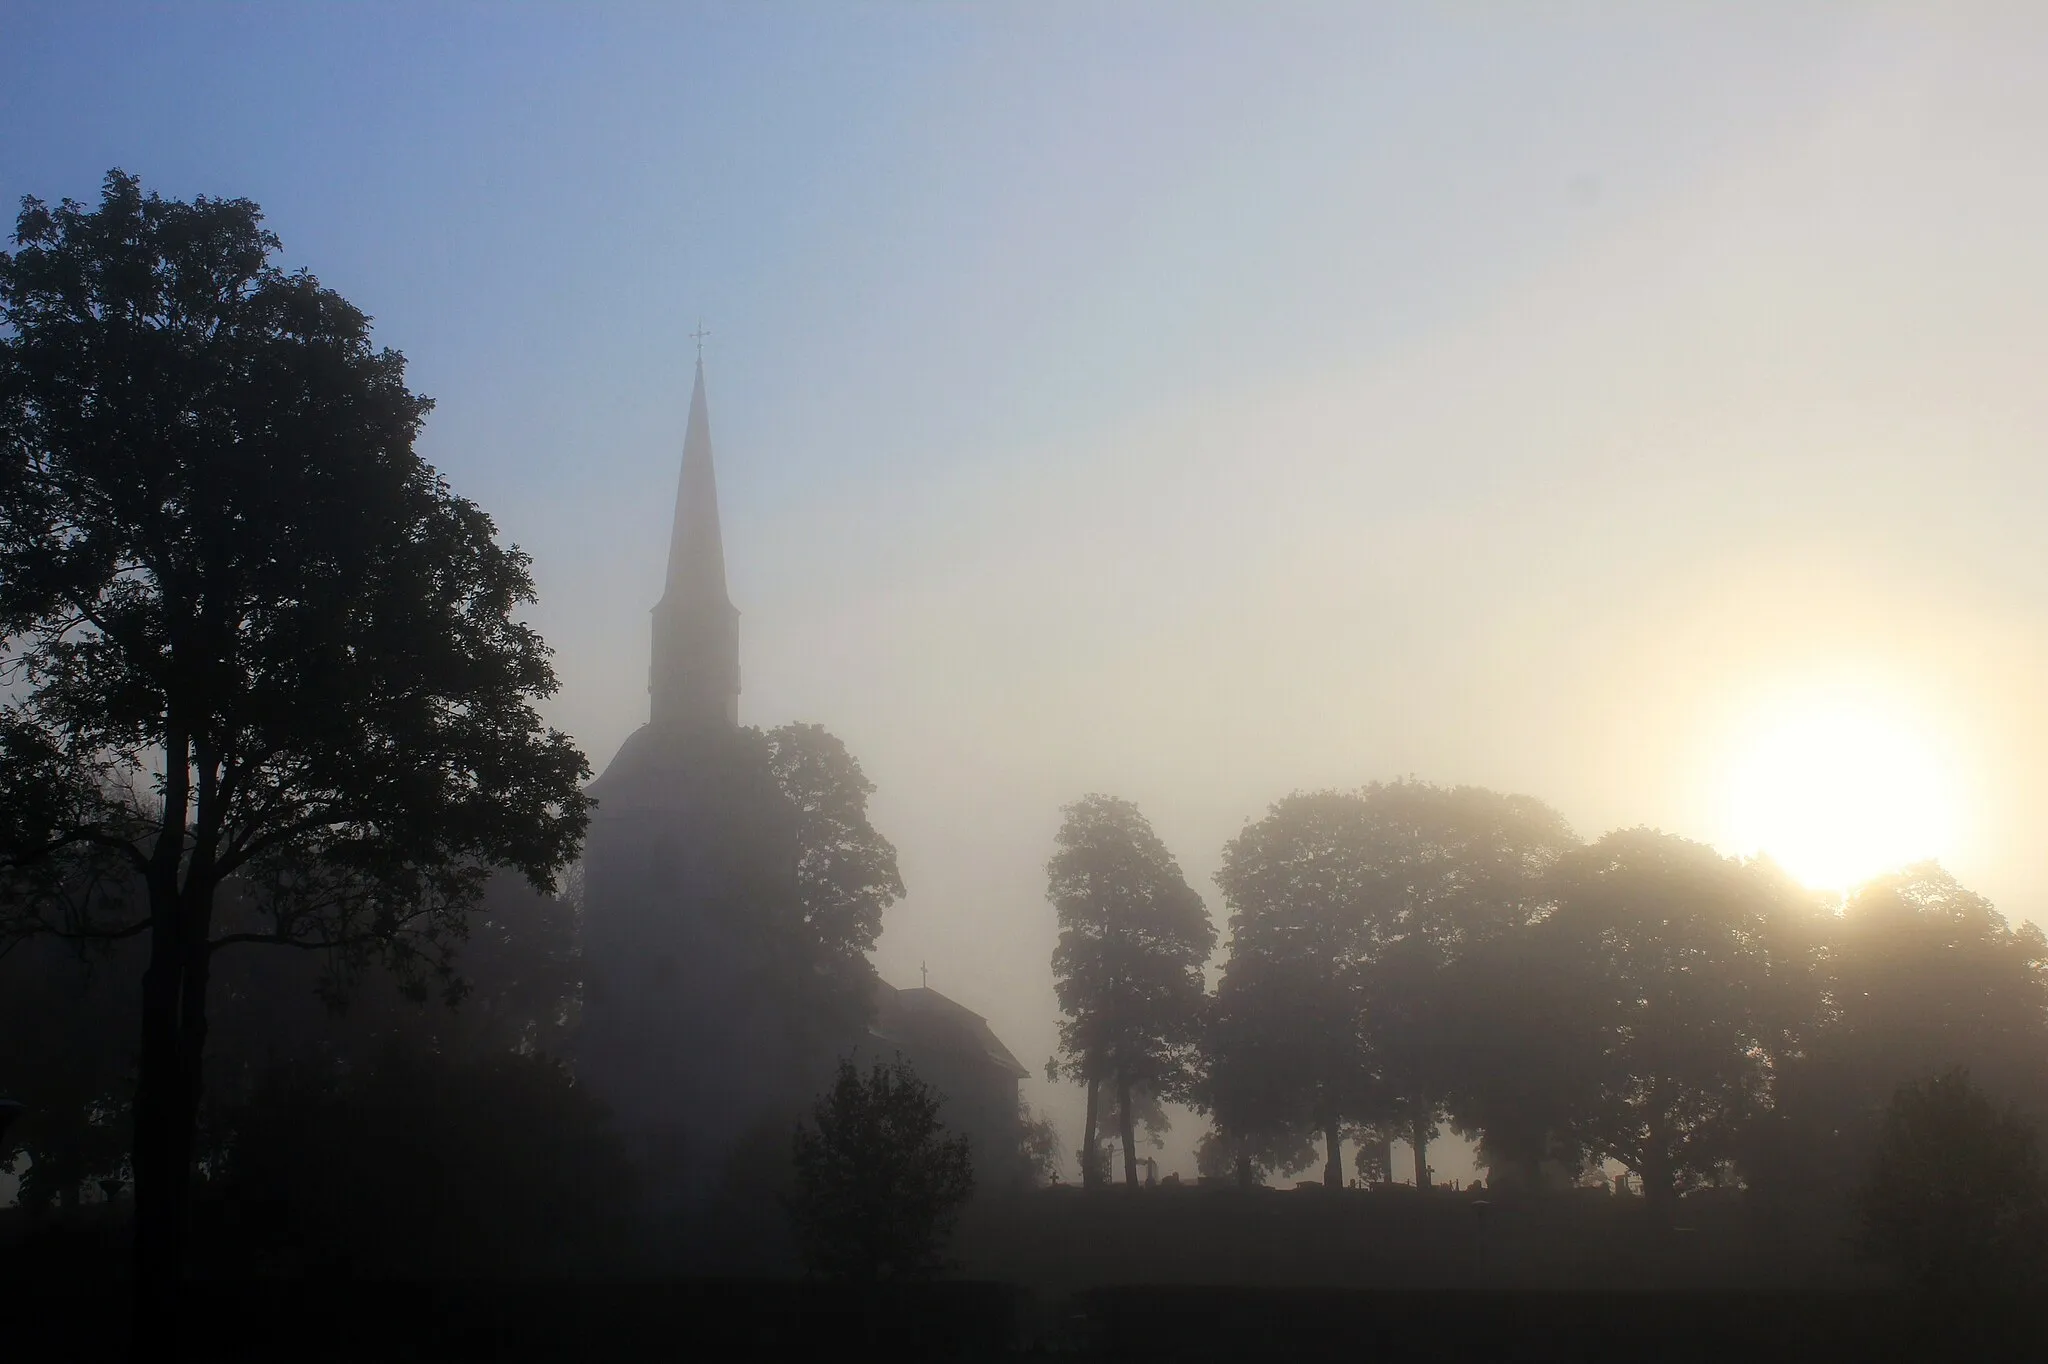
(1198, 401)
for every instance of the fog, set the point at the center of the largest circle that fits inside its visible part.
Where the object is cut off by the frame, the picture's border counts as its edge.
(1194, 406)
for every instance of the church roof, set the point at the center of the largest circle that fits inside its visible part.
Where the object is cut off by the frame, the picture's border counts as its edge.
(696, 545)
(922, 1017)
(693, 675)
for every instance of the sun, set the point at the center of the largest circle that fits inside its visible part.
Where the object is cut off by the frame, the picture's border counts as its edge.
(1837, 784)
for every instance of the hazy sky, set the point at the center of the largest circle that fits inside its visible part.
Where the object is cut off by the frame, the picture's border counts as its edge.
(1200, 402)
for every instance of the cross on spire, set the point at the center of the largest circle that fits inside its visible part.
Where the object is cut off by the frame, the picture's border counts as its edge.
(699, 335)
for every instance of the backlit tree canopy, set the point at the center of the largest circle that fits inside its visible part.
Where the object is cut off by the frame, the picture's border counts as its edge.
(1128, 969)
(250, 633)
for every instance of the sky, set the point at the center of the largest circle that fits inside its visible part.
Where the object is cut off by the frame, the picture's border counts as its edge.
(1637, 406)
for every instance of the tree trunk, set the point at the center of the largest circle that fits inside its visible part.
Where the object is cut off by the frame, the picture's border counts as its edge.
(1660, 1188)
(1420, 1128)
(168, 1090)
(1128, 1123)
(158, 1154)
(160, 1158)
(1244, 1170)
(1333, 1168)
(1091, 1144)
(173, 1047)
(1658, 1171)
(1385, 1141)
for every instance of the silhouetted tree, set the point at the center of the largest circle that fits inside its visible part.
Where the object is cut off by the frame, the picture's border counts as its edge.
(515, 989)
(1442, 869)
(1248, 1159)
(1128, 969)
(1956, 1198)
(1665, 940)
(878, 1182)
(1250, 1086)
(1523, 1032)
(1918, 975)
(846, 870)
(419, 1164)
(1038, 1146)
(67, 1027)
(1149, 1122)
(1374, 1142)
(67, 1052)
(254, 635)
(1293, 1050)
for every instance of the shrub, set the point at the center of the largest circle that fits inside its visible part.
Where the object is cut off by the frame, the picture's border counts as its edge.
(1956, 1199)
(421, 1164)
(878, 1182)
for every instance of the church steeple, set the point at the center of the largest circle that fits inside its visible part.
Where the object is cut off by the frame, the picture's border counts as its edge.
(695, 678)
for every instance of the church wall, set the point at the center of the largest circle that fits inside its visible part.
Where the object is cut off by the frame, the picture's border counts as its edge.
(690, 859)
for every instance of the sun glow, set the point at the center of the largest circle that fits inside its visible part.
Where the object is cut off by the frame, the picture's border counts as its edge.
(1837, 784)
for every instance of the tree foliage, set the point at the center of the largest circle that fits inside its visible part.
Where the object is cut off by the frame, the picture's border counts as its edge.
(1917, 975)
(1249, 1159)
(879, 1184)
(68, 1046)
(1523, 1041)
(1290, 1048)
(1663, 943)
(846, 872)
(1038, 1146)
(1956, 1199)
(1252, 1082)
(251, 635)
(67, 1053)
(418, 1163)
(1348, 909)
(1448, 870)
(1128, 970)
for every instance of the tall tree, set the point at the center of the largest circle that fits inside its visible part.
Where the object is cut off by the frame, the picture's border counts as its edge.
(1664, 942)
(1293, 1049)
(1444, 869)
(251, 634)
(1249, 1086)
(1522, 1029)
(1917, 975)
(846, 870)
(1134, 938)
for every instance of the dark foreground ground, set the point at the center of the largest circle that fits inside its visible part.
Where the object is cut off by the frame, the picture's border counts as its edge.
(749, 1320)
(1178, 1276)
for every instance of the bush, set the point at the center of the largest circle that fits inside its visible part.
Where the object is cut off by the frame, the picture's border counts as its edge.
(878, 1183)
(419, 1164)
(1956, 1199)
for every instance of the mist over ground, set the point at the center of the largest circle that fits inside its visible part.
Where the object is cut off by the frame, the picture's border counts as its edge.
(1194, 406)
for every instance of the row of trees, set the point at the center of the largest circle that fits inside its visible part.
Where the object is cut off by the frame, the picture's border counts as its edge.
(1407, 956)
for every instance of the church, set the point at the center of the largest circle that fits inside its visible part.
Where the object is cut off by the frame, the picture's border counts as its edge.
(691, 856)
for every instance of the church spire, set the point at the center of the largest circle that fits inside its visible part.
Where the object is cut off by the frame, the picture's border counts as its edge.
(695, 679)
